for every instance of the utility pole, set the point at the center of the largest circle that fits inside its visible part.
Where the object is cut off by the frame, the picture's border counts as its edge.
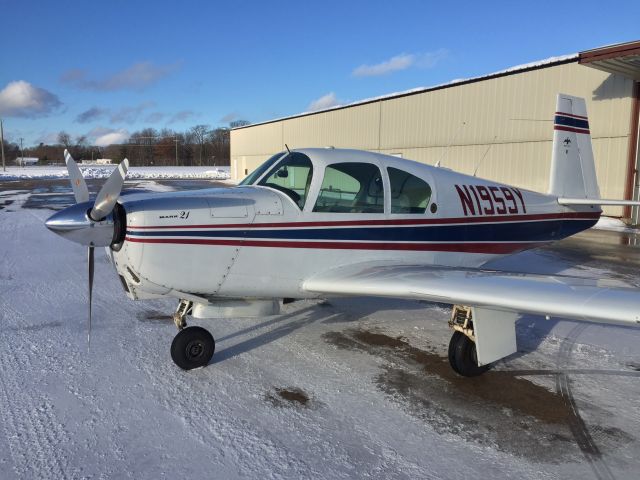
(176, 139)
(4, 168)
(22, 151)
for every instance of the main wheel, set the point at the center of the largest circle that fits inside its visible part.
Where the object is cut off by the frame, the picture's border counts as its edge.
(192, 347)
(463, 357)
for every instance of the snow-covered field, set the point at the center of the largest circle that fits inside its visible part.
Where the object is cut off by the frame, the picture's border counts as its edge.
(103, 171)
(350, 388)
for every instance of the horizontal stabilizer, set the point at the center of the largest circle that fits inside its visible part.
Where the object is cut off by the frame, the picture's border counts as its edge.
(597, 201)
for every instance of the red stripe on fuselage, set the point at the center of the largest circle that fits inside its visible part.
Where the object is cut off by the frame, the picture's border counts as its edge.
(496, 248)
(402, 222)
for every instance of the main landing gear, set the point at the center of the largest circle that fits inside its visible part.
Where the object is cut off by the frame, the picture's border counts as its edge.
(462, 347)
(192, 347)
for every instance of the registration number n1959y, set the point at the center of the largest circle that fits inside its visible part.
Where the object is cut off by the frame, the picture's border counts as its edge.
(490, 200)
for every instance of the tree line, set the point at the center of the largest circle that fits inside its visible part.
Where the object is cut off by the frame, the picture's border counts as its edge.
(198, 146)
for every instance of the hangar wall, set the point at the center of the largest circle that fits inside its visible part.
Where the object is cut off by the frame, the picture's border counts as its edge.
(501, 126)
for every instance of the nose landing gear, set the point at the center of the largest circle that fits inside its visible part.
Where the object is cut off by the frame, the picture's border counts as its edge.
(192, 347)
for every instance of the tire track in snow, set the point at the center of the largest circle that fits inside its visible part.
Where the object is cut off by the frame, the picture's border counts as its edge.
(30, 426)
(576, 424)
(33, 433)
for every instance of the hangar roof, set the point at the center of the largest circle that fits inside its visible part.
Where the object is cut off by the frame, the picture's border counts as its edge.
(548, 62)
(623, 59)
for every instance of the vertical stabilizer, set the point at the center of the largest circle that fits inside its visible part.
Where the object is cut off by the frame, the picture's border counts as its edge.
(573, 171)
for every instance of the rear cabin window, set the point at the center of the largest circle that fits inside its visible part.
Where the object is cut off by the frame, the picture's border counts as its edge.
(291, 176)
(351, 188)
(409, 194)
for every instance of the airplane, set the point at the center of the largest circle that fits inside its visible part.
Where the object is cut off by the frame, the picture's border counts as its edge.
(327, 222)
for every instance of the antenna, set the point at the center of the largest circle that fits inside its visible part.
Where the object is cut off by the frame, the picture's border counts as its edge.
(287, 146)
(484, 156)
(446, 150)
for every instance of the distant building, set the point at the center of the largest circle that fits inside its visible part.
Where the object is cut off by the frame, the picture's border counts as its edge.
(99, 161)
(26, 161)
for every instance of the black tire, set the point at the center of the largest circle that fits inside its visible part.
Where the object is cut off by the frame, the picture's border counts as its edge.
(192, 347)
(462, 356)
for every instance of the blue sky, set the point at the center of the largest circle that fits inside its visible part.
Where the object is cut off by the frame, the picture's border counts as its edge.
(109, 68)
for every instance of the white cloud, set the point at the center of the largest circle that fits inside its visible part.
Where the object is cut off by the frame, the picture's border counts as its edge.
(326, 101)
(105, 136)
(137, 77)
(21, 99)
(400, 62)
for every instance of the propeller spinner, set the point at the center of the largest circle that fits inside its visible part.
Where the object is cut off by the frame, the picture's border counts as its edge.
(89, 223)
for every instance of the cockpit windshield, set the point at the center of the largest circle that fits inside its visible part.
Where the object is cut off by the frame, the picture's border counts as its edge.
(257, 173)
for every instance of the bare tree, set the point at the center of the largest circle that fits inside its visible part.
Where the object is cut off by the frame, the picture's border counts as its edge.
(219, 140)
(64, 139)
(199, 145)
(199, 133)
(239, 123)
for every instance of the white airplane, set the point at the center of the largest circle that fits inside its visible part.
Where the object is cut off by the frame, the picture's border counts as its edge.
(327, 222)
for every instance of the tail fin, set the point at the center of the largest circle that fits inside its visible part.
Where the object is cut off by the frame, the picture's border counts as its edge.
(573, 172)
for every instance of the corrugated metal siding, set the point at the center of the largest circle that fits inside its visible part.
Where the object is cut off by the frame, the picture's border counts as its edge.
(512, 114)
(348, 128)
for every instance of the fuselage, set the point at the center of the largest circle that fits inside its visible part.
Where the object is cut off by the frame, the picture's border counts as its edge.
(319, 209)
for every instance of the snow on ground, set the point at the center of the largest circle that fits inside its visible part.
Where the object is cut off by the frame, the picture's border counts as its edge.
(350, 388)
(103, 171)
(613, 224)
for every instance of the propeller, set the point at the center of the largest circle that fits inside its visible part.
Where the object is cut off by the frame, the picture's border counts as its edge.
(79, 186)
(89, 223)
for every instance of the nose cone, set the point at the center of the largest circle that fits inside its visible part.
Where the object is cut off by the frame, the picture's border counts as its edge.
(73, 223)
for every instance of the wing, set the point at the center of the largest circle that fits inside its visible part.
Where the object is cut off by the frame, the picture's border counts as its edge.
(559, 296)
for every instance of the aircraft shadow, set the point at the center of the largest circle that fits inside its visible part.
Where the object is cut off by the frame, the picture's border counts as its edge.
(325, 312)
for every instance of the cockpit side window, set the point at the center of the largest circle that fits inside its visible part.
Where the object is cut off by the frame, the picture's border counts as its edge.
(351, 188)
(409, 194)
(292, 176)
(257, 173)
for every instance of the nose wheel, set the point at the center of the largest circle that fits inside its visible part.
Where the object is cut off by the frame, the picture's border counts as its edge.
(192, 347)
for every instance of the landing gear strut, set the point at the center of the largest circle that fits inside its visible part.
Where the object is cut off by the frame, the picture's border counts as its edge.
(192, 347)
(462, 347)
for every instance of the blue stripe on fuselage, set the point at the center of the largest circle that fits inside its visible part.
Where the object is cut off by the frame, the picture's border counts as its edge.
(497, 232)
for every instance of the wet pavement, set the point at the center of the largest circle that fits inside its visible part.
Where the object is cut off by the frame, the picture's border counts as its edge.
(57, 194)
(500, 409)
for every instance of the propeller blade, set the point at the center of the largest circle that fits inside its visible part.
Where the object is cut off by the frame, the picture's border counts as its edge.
(90, 262)
(109, 193)
(80, 190)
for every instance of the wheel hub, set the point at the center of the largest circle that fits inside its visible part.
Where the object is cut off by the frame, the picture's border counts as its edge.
(194, 349)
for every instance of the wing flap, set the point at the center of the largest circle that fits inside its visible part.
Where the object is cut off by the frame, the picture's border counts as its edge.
(590, 300)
